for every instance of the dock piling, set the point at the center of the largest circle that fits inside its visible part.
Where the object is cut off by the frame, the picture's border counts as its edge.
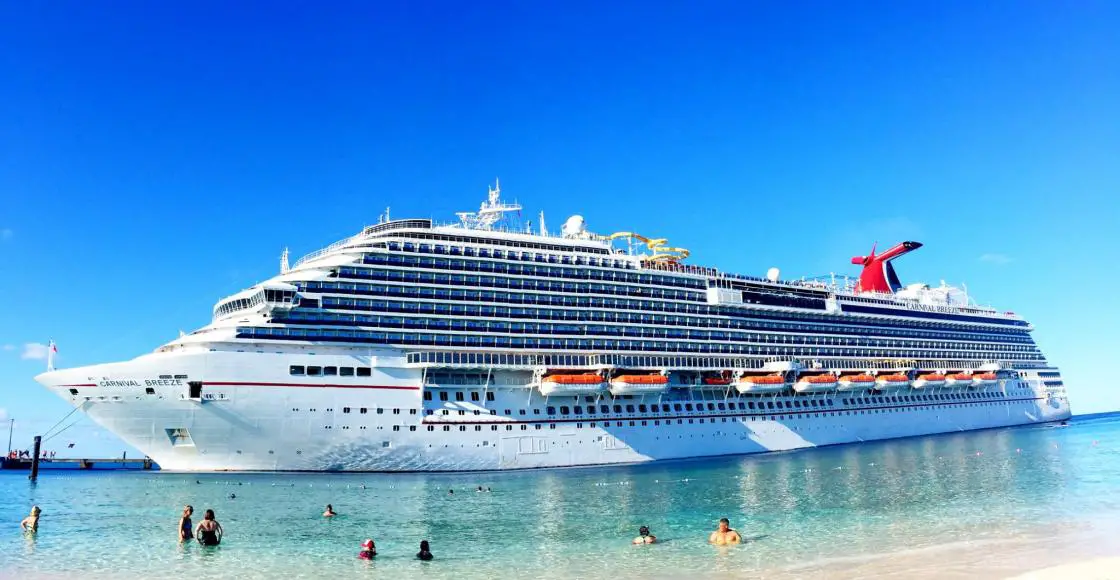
(35, 459)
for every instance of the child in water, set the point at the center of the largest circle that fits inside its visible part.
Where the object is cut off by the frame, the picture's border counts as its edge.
(31, 522)
(425, 553)
(329, 512)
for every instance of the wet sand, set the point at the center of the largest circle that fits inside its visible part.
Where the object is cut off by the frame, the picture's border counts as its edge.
(1082, 550)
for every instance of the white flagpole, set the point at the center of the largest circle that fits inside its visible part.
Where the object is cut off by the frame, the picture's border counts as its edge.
(50, 356)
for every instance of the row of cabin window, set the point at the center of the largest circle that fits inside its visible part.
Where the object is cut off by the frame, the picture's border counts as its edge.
(529, 270)
(458, 396)
(474, 340)
(858, 331)
(538, 285)
(380, 411)
(657, 422)
(698, 307)
(653, 332)
(742, 406)
(316, 371)
(409, 245)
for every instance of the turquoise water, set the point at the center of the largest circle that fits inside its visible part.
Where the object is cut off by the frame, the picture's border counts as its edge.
(796, 509)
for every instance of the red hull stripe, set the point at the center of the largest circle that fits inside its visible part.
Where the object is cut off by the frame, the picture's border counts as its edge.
(311, 385)
(81, 385)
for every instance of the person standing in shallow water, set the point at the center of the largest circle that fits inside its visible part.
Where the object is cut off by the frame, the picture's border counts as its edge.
(725, 534)
(425, 553)
(185, 526)
(329, 512)
(209, 532)
(31, 522)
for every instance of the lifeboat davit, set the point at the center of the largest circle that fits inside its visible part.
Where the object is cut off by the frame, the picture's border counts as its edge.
(892, 381)
(571, 384)
(984, 379)
(958, 380)
(929, 380)
(639, 384)
(761, 384)
(815, 383)
(852, 382)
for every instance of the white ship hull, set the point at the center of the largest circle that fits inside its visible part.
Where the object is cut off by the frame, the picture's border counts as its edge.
(252, 415)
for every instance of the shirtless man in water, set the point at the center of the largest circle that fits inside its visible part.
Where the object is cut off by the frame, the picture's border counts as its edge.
(724, 535)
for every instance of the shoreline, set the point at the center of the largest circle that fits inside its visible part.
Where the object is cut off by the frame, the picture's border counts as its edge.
(1086, 549)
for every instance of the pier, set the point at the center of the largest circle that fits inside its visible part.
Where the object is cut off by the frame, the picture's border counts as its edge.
(117, 463)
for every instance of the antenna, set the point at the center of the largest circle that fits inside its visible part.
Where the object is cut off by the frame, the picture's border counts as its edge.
(490, 212)
(284, 261)
(544, 231)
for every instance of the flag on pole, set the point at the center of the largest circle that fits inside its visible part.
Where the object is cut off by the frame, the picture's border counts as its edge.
(51, 351)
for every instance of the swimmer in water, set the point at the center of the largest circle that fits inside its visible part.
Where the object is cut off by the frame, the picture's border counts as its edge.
(31, 522)
(209, 531)
(644, 537)
(425, 553)
(185, 526)
(329, 512)
(724, 535)
(369, 550)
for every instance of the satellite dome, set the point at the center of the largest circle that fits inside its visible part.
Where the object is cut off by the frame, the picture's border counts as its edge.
(574, 227)
(772, 274)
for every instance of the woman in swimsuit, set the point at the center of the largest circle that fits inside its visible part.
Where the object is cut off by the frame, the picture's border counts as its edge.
(185, 527)
(31, 522)
(209, 532)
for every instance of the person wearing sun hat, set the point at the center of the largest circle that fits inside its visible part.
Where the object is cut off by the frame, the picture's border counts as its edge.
(369, 550)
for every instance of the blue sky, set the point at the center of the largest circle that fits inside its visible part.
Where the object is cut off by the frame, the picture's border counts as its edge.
(155, 157)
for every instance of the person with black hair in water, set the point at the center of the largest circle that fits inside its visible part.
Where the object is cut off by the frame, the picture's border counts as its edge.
(425, 553)
(644, 537)
(209, 532)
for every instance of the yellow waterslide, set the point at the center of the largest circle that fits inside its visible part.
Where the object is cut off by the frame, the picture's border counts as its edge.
(657, 246)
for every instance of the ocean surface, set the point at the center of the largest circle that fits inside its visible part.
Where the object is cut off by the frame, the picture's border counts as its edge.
(982, 504)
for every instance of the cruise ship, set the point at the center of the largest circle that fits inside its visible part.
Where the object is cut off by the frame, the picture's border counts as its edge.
(486, 344)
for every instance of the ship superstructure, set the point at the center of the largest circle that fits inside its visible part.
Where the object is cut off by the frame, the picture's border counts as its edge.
(486, 345)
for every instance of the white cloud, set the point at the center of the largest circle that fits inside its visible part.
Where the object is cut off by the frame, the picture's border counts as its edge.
(997, 259)
(6, 234)
(34, 351)
(3, 414)
(9, 347)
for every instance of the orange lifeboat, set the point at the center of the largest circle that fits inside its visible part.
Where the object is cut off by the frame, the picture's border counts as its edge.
(958, 380)
(716, 381)
(639, 384)
(892, 381)
(851, 382)
(815, 383)
(761, 384)
(929, 380)
(571, 384)
(984, 379)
